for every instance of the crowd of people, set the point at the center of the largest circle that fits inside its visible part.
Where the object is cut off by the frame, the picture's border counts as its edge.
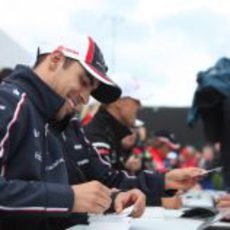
(161, 152)
(56, 168)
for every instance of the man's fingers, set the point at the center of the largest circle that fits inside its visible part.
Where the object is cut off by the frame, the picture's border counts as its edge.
(123, 200)
(196, 172)
(223, 201)
(112, 190)
(223, 204)
(92, 197)
(103, 198)
(139, 207)
(139, 201)
(105, 190)
(225, 197)
(119, 204)
(132, 197)
(99, 202)
(103, 201)
(178, 185)
(192, 173)
(181, 185)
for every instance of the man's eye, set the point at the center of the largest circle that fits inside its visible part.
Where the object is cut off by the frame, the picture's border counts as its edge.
(84, 83)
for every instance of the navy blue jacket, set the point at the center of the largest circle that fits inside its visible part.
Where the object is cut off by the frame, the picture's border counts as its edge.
(106, 133)
(34, 186)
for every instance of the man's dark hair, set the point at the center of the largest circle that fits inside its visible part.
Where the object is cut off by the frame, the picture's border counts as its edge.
(4, 72)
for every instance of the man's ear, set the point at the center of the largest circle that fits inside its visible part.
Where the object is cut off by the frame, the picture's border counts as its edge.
(118, 103)
(55, 59)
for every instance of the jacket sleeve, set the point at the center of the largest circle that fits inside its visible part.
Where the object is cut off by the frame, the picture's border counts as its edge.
(150, 183)
(100, 141)
(96, 168)
(18, 196)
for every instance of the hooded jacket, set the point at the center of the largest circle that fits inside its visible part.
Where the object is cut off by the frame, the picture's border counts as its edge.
(34, 187)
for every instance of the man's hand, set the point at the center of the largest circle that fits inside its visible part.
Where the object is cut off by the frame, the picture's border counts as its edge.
(91, 197)
(174, 202)
(224, 202)
(183, 179)
(132, 197)
(223, 205)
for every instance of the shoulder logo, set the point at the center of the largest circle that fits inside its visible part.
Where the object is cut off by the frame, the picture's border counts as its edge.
(2, 107)
(36, 133)
(38, 156)
(16, 92)
(77, 147)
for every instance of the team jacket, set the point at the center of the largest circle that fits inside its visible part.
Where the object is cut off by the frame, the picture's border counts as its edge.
(105, 134)
(34, 187)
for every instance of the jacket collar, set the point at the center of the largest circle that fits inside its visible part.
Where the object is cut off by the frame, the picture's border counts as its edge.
(119, 129)
(47, 101)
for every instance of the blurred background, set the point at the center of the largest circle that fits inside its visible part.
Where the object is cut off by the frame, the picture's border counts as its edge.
(161, 45)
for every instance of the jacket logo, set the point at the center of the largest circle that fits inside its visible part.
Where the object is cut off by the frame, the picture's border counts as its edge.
(36, 133)
(46, 129)
(54, 164)
(16, 92)
(38, 156)
(83, 162)
(77, 147)
(63, 136)
(2, 107)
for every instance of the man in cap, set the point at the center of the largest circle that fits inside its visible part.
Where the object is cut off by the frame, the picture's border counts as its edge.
(35, 106)
(115, 119)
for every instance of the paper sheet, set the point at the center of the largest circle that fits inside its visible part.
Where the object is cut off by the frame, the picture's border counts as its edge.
(112, 221)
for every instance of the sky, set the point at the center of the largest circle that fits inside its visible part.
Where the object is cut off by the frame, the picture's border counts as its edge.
(160, 45)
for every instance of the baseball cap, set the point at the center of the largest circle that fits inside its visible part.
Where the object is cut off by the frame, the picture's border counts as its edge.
(88, 54)
(168, 138)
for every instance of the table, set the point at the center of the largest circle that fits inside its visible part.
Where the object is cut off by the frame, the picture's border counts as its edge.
(154, 218)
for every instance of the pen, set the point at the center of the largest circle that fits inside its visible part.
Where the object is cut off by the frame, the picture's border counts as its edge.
(217, 169)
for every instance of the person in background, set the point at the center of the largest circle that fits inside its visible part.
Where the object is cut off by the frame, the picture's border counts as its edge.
(188, 157)
(208, 161)
(159, 146)
(172, 160)
(136, 156)
(132, 153)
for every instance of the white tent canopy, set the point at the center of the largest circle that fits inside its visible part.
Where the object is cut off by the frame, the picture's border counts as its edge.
(11, 53)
